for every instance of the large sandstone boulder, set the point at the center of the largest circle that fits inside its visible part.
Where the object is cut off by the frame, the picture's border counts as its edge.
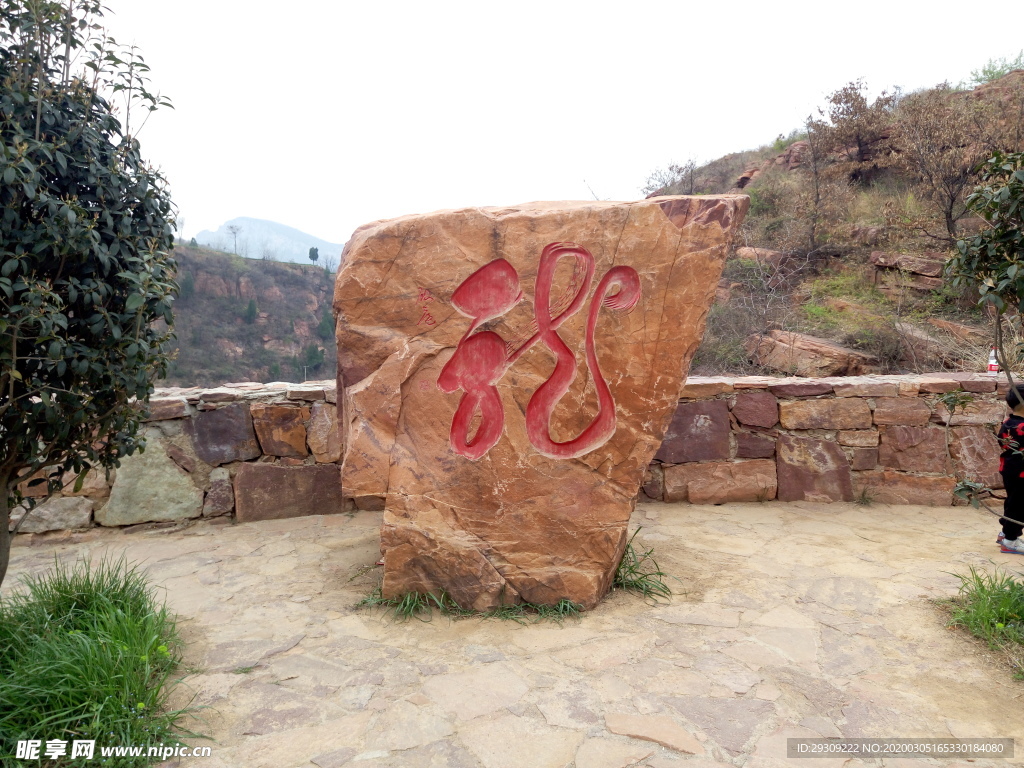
(802, 355)
(929, 263)
(510, 457)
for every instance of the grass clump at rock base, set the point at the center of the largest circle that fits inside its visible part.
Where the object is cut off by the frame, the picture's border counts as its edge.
(87, 653)
(637, 572)
(991, 607)
(417, 605)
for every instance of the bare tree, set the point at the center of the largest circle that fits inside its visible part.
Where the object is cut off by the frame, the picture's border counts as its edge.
(815, 158)
(942, 135)
(674, 180)
(855, 131)
(234, 230)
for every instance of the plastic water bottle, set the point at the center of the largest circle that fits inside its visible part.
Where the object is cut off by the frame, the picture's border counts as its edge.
(993, 363)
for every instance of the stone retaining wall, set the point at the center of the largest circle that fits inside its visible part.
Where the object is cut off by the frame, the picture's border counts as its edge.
(890, 439)
(251, 451)
(262, 451)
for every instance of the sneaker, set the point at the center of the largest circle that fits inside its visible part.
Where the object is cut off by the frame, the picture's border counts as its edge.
(1012, 546)
(1000, 537)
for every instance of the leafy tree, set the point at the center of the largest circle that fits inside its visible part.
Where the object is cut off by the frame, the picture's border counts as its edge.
(251, 312)
(192, 243)
(86, 227)
(995, 69)
(188, 286)
(325, 330)
(313, 356)
(314, 254)
(994, 259)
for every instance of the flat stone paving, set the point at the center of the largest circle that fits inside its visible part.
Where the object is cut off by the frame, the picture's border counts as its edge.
(792, 620)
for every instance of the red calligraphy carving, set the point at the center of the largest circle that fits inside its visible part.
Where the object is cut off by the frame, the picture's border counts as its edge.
(425, 295)
(482, 358)
(426, 318)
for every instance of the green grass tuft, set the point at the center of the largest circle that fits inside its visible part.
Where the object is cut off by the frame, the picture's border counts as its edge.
(416, 605)
(991, 607)
(866, 497)
(639, 572)
(86, 652)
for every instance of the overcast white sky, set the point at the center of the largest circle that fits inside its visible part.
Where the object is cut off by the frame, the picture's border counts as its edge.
(326, 114)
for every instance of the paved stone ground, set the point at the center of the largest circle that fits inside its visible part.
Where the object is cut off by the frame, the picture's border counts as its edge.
(792, 620)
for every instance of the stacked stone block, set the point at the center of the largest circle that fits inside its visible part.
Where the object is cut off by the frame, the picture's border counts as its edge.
(252, 451)
(890, 439)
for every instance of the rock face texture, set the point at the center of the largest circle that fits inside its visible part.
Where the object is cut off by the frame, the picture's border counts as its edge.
(812, 470)
(272, 492)
(322, 434)
(150, 487)
(511, 373)
(802, 355)
(281, 429)
(58, 514)
(922, 271)
(697, 432)
(224, 435)
(718, 482)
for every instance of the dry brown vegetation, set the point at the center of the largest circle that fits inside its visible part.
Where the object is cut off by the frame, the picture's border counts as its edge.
(889, 174)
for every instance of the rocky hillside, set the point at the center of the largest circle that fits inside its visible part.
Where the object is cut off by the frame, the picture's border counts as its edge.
(838, 268)
(242, 319)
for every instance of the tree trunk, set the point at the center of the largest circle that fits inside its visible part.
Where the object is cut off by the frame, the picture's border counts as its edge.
(950, 224)
(5, 534)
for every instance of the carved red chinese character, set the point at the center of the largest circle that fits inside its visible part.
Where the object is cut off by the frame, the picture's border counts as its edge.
(481, 359)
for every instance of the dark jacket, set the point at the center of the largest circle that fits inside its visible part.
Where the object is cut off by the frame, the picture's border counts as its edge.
(1011, 440)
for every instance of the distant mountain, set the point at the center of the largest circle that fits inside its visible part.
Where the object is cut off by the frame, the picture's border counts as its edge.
(261, 239)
